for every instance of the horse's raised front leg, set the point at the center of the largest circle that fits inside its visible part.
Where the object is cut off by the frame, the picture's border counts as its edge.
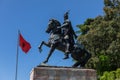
(40, 46)
(50, 53)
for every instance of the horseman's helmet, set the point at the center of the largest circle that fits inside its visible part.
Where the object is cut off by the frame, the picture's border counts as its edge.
(66, 15)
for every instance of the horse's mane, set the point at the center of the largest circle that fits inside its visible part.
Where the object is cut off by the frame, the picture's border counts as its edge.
(57, 22)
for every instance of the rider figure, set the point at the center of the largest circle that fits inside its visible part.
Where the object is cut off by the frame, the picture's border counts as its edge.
(68, 35)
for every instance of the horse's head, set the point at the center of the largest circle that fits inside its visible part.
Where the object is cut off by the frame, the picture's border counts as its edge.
(52, 25)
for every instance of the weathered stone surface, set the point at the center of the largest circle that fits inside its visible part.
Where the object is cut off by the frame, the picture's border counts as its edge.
(62, 73)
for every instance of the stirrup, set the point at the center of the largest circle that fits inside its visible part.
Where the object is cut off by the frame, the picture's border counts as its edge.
(66, 57)
(67, 52)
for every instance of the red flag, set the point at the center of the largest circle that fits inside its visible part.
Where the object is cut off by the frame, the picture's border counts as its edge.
(25, 46)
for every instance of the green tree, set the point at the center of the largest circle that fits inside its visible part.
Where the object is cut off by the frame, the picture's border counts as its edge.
(101, 36)
(112, 75)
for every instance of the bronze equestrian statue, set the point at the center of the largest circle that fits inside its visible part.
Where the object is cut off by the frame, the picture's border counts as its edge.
(58, 41)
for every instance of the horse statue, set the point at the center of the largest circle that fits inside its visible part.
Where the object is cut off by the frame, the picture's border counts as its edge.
(56, 41)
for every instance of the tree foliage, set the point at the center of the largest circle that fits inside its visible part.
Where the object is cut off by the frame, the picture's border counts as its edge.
(112, 75)
(101, 36)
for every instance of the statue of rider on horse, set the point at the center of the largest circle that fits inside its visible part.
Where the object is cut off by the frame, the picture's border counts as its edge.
(62, 38)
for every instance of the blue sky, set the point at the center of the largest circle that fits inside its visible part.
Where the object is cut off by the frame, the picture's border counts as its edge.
(31, 18)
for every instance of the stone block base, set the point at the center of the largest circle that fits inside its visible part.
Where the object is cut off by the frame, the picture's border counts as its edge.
(62, 73)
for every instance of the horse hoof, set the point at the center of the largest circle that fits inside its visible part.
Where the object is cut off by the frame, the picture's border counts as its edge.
(42, 64)
(45, 61)
(73, 66)
(40, 50)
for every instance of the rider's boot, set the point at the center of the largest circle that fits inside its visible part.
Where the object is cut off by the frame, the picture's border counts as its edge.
(66, 55)
(67, 51)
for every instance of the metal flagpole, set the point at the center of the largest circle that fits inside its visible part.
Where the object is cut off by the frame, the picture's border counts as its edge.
(17, 54)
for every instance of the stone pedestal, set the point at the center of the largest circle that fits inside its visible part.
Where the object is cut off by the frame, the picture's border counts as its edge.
(62, 73)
